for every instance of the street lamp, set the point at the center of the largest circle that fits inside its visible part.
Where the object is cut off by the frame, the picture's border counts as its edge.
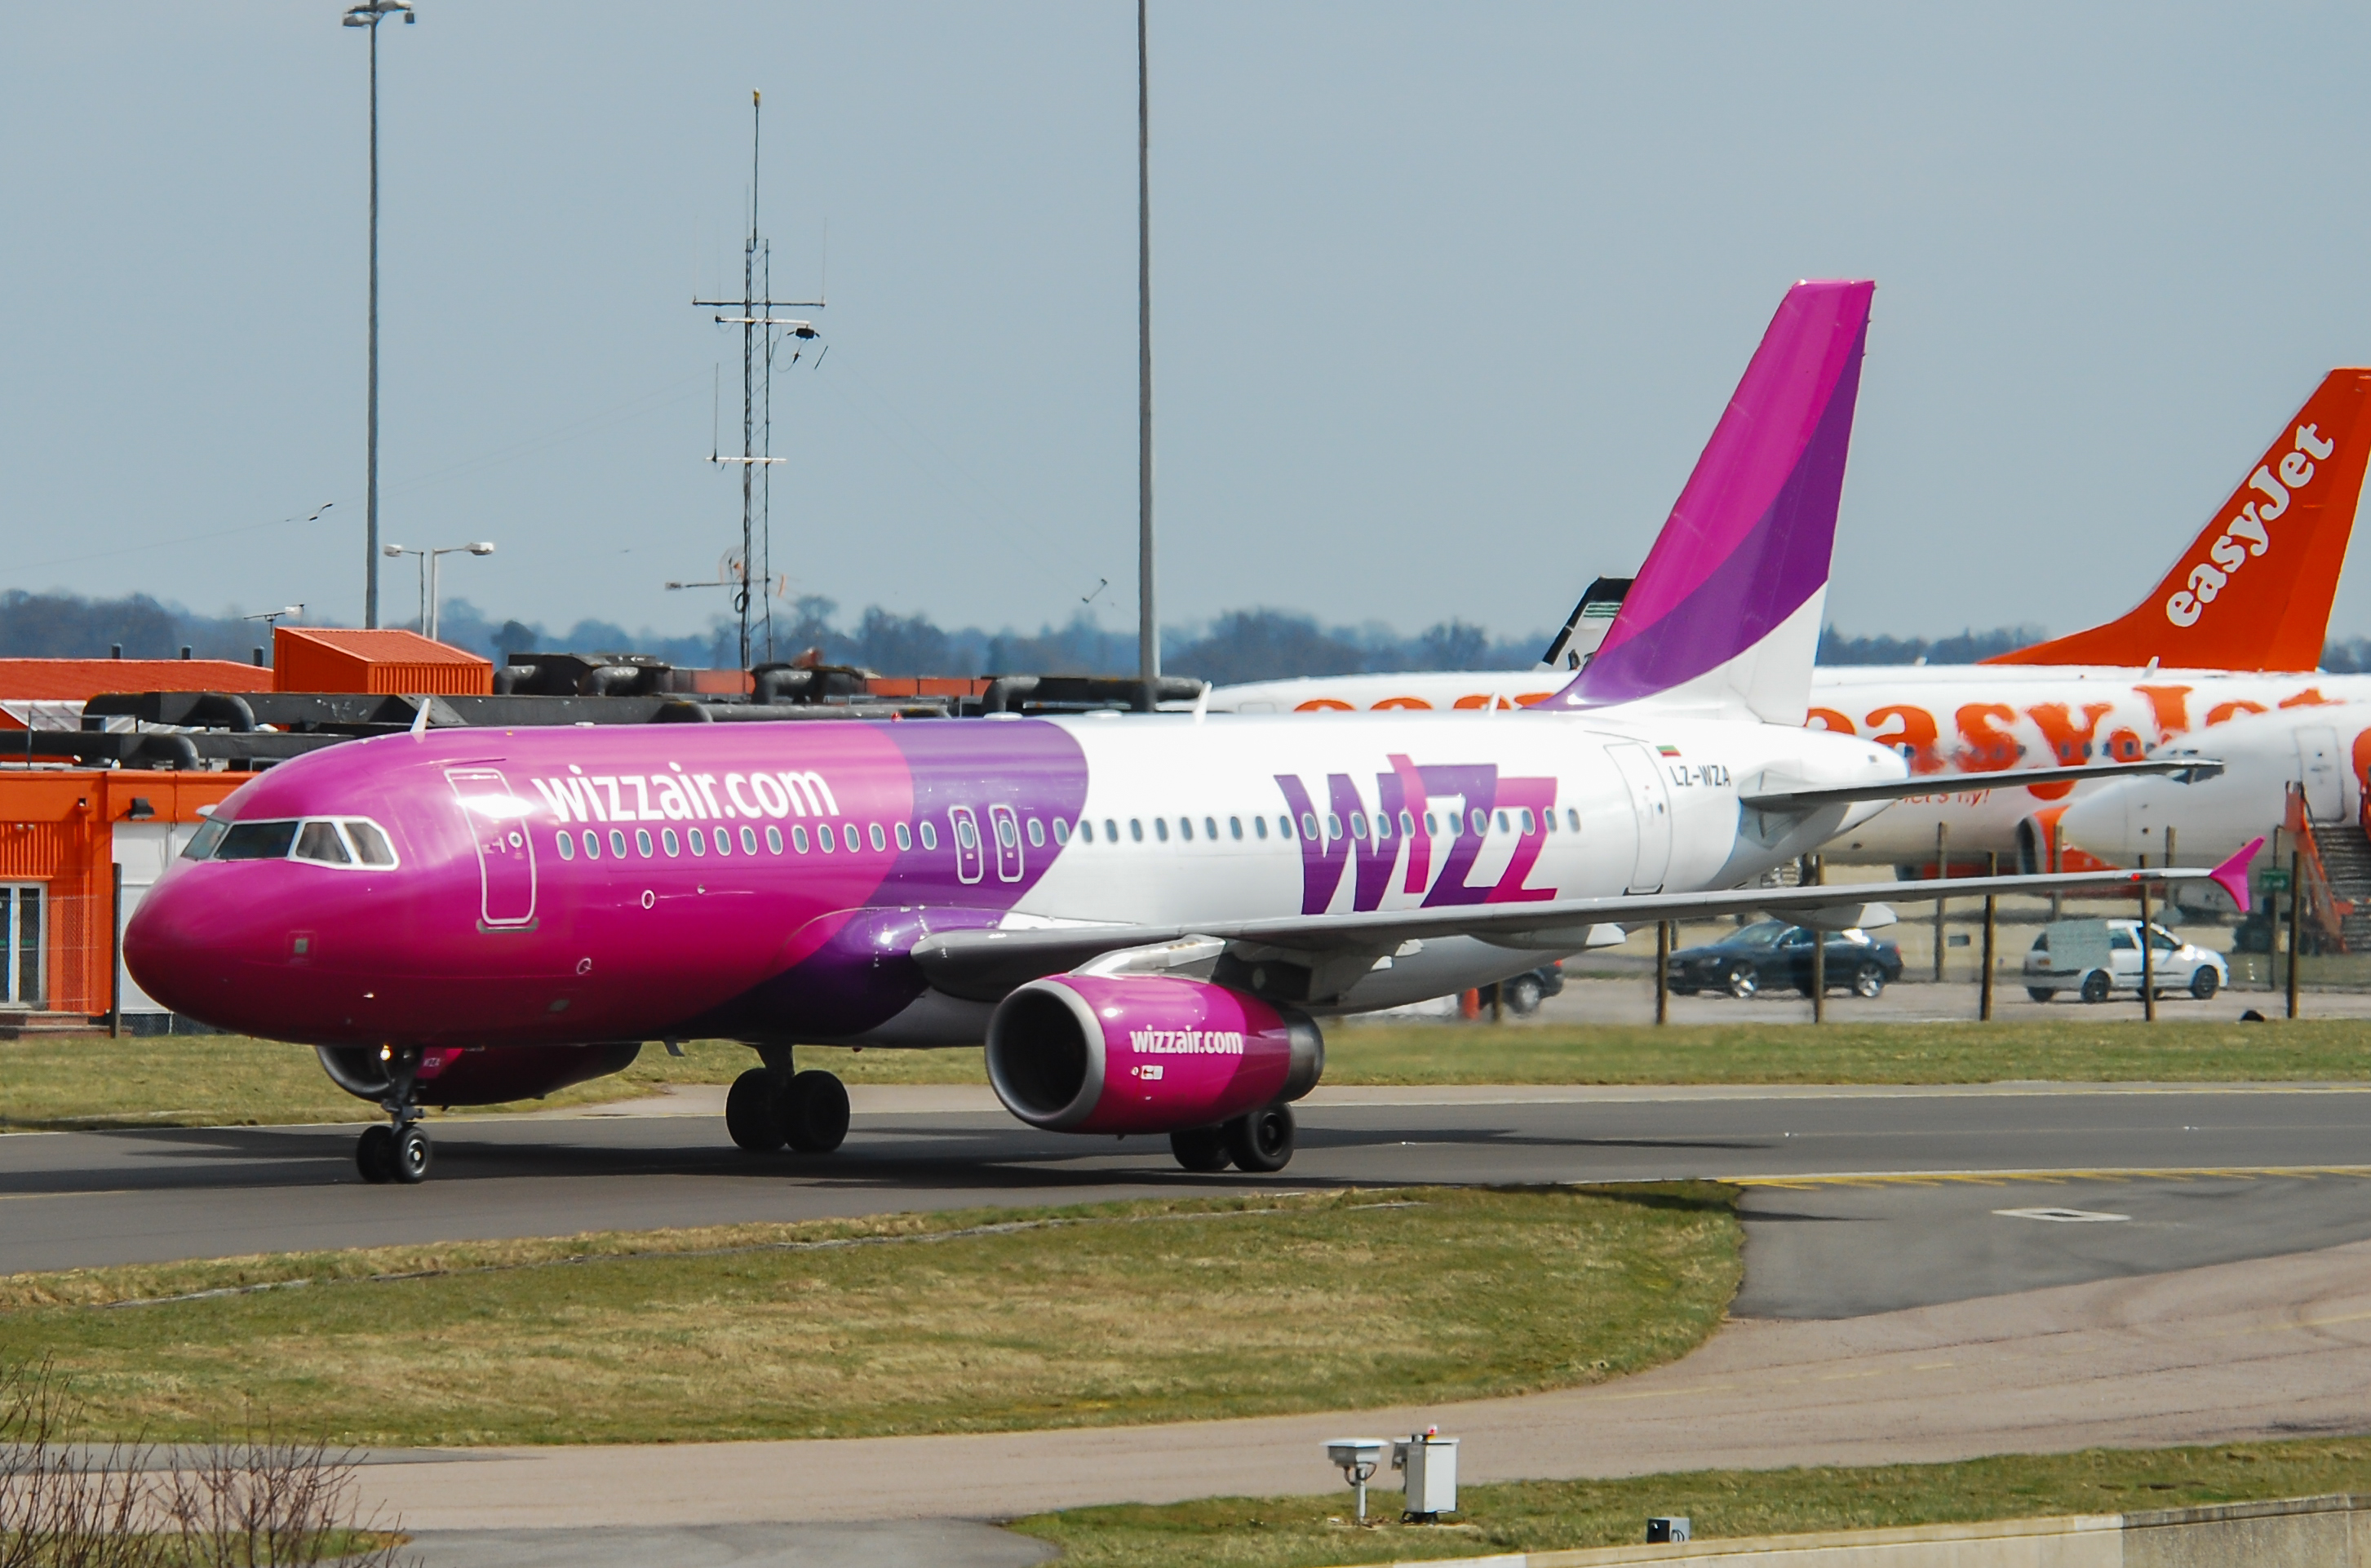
(369, 14)
(429, 567)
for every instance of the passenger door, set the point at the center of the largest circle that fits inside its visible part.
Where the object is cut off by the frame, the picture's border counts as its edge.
(965, 829)
(1008, 843)
(497, 822)
(1650, 803)
(2318, 767)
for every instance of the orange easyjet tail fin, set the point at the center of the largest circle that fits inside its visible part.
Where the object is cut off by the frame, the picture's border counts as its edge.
(2252, 592)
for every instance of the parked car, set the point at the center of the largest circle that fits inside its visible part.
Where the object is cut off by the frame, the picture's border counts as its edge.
(1522, 994)
(1772, 952)
(2095, 959)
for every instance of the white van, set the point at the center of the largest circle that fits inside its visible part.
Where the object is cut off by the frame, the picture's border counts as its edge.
(2095, 959)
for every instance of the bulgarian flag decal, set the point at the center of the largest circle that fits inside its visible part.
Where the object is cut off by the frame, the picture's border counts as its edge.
(1669, 751)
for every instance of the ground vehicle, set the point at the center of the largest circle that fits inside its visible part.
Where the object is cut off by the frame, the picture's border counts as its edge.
(1772, 952)
(2097, 958)
(1523, 993)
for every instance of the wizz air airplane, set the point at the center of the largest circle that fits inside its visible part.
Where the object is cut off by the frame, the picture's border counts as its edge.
(2234, 628)
(1140, 917)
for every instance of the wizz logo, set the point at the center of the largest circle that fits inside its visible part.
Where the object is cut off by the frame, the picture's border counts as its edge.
(1342, 835)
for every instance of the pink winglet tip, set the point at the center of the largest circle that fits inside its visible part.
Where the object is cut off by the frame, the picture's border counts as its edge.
(2233, 873)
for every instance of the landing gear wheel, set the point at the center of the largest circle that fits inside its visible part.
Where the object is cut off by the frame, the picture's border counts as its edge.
(2040, 993)
(814, 1112)
(1202, 1149)
(1868, 982)
(749, 1111)
(1742, 981)
(375, 1155)
(412, 1154)
(1523, 995)
(2095, 986)
(1262, 1141)
(2204, 983)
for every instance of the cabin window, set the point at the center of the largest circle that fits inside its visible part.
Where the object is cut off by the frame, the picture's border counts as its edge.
(825, 840)
(1006, 834)
(799, 840)
(1086, 830)
(1062, 831)
(1235, 827)
(257, 841)
(369, 844)
(1530, 824)
(1135, 829)
(618, 843)
(1161, 829)
(1431, 829)
(1333, 826)
(1308, 824)
(1383, 825)
(698, 840)
(1284, 827)
(643, 842)
(724, 841)
(905, 838)
(1037, 834)
(875, 836)
(1358, 824)
(592, 845)
(966, 835)
(567, 843)
(319, 841)
(666, 838)
(1408, 824)
(749, 841)
(1211, 829)
(930, 833)
(773, 839)
(1572, 818)
(1502, 823)
(848, 836)
(1186, 829)
(1259, 827)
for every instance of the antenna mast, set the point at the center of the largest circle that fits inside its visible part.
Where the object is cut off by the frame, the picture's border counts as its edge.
(756, 306)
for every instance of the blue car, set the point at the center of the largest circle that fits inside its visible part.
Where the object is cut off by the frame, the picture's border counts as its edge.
(1772, 953)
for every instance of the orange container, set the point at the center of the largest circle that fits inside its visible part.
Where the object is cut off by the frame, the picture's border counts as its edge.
(307, 657)
(79, 680)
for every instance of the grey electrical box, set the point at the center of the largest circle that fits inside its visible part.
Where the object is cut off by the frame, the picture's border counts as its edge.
(1431, 1463)
(1662, 1529)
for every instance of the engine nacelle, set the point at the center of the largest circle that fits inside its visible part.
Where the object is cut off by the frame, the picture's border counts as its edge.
(450, 1075)
(1145, 1054)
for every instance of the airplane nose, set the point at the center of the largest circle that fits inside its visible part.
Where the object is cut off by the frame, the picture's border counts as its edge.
(189, 942)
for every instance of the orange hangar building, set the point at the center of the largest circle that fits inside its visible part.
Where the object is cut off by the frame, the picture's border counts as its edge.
(80, 844)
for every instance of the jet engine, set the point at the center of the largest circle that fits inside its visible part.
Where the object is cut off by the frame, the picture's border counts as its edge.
(1145, 1054)
(453, 1075)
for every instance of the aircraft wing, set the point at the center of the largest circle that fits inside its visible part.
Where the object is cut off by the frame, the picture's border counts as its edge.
(1954, 783)
(982, 965)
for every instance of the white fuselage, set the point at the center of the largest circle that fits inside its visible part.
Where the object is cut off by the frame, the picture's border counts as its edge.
(1969, 718)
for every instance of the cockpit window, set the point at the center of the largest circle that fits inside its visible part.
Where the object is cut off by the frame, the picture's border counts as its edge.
(319, 841)
(257, 841)
(322, 841)
(371, 844)
(201, 843)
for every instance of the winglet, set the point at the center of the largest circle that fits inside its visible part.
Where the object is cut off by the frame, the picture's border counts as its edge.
(2253, 590)
(1725, 616)
(2232, 874)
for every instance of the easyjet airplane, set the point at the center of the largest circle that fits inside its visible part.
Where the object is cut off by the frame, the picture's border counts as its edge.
(2236, 627)
(1140, 917)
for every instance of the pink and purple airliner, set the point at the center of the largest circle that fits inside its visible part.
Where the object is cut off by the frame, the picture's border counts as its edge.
(1142, 917)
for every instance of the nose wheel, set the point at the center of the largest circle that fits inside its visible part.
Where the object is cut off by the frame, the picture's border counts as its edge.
(399, 1154)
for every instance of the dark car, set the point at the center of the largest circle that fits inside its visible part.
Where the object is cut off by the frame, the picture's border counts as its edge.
(1772, 952)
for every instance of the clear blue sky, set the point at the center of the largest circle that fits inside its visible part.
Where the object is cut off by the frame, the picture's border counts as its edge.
(1447, 297)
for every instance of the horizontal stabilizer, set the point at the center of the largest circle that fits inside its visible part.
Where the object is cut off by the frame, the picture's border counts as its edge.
(2186, 768)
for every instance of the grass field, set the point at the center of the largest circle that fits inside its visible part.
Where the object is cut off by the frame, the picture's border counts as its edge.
(214, 1080)
(982, 1321)
(1306, 1532)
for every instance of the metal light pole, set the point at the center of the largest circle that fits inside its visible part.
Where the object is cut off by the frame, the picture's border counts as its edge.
(369, 14)
(1148, 624)
(430, 567)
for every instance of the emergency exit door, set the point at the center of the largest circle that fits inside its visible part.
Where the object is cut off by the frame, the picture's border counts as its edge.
(26, 980)
(2316, 748)
(1651, 803)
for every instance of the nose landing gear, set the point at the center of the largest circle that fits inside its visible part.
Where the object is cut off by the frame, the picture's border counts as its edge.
(773, 1106)
(398, 1152)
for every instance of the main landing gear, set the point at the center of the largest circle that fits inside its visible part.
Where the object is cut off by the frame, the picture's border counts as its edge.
(399, 1151)
(1259, 1142)
(771, 1107)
